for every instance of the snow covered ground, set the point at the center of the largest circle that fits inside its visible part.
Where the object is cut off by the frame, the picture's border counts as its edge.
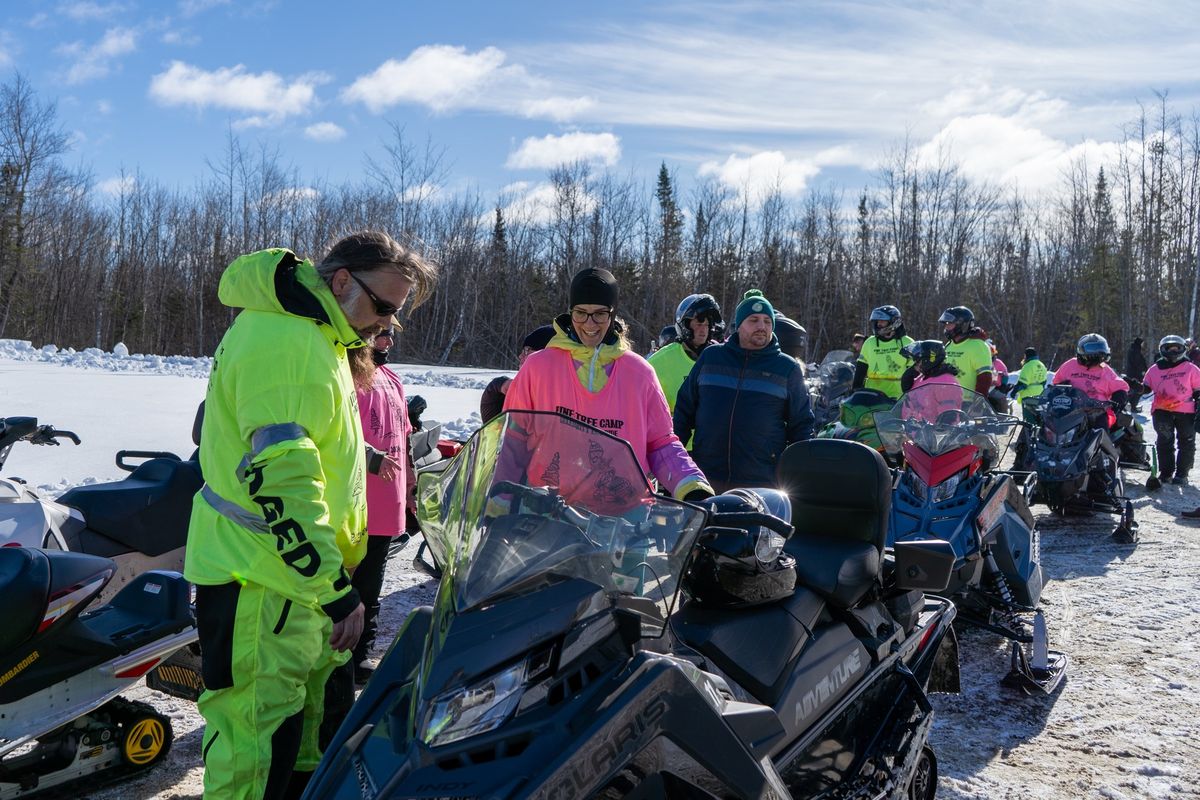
(1125, 723)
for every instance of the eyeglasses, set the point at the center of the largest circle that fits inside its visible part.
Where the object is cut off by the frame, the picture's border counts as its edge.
(382, 307)
(599, 317)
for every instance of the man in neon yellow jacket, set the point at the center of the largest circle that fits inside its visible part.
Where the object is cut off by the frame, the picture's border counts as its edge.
(282, 514)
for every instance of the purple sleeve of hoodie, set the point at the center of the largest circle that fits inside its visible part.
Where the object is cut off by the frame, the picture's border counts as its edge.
(669, 460)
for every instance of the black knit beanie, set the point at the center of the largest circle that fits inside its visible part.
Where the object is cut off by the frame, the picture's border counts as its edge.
(593, 286)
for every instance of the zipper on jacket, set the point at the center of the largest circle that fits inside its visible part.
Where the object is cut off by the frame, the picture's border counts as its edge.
(733, 412)
(592, 369)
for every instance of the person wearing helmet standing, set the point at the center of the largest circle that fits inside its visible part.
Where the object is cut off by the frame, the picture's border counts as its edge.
(698, 324)
(881, 361)
(967, 349)
(1031, 380)
(1174, 381)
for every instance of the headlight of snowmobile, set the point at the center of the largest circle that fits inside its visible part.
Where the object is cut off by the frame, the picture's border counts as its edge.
(944, 490)
(916, 486)
(470, 710)
(768, 547)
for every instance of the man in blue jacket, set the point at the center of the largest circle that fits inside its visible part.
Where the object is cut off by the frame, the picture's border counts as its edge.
(745, 401)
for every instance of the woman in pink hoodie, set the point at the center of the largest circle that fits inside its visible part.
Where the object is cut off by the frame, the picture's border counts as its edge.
(588, 373)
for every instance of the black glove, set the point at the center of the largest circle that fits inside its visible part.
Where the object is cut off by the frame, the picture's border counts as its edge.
(696, 495)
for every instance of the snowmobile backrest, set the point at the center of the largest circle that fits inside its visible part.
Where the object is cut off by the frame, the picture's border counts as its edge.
(24, 585)
(841, 493)
(839, 489)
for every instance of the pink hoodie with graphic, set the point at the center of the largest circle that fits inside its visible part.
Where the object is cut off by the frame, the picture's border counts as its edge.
(630, 405)
(1173, 386)
(1098, 383)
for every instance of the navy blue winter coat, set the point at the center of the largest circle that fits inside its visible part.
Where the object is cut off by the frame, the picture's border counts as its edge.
(745, 407)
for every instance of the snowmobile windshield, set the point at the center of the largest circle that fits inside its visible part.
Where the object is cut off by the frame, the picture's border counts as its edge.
(535, 499)
(833, 377)
(1065, 412)
(941, 417)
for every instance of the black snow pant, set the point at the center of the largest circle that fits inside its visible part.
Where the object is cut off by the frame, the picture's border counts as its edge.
(1175, 429)
(368, 580)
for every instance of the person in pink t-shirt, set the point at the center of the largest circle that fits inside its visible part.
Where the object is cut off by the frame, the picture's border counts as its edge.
(1174, 380)
(384, 412)
(1089, 372)
(930, 369)
(588, 373)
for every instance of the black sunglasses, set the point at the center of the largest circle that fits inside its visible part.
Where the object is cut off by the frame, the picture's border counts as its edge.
(382, 307)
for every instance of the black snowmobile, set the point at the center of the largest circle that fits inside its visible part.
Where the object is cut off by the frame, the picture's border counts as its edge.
(1077, 463)
(555, 664)
(62, 667)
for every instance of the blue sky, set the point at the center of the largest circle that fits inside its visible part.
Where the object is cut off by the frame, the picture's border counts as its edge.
(793, 94)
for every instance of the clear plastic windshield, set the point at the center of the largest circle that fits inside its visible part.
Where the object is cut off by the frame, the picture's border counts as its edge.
(536, 498)
(940, 417)
(1063, 408)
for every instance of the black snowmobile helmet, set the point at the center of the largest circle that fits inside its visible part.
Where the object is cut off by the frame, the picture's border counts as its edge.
(793, 339)
(892, 326)
(1092, 350)
(1172, 348)
(666, 336)
(927, 355)
(962, 317)
(699, 306)
(755, 570)
(1030, 353)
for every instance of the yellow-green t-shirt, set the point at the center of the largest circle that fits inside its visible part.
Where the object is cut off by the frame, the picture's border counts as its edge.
(885, 363)
(971, 357)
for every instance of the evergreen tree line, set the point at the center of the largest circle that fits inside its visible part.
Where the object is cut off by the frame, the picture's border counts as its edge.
(1109, 250)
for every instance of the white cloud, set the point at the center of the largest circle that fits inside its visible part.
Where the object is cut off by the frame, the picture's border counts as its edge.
(121, 184)
(763, 172)
(439, 76)
(87, 10)
(446, 78)
(1008, 151)
(325, 132)
(558, 109)
(181, 38)
(95, 62)
(266, 96)
(550, 151)
(531, 203)
(291, 196)
(103, 107)
(190, 8)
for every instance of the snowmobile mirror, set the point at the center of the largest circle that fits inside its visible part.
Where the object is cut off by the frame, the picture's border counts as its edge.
(924, 564)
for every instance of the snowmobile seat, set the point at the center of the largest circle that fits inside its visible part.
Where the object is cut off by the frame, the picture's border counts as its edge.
(24, 585)
(147, 512)
(841, 493)
(732, 639)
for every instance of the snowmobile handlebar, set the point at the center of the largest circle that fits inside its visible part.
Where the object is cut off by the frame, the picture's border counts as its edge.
(46, 434)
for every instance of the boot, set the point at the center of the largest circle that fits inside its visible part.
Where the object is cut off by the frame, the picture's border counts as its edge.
(1180, 479)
